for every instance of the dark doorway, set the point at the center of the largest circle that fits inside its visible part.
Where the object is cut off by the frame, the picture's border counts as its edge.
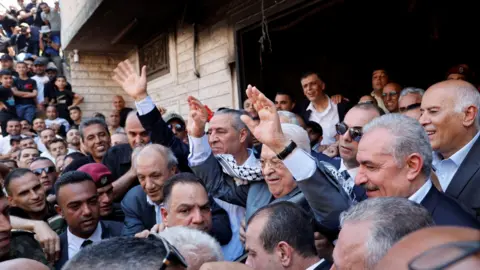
(415, 40)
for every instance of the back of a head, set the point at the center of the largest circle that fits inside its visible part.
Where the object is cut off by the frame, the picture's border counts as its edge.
(428, 240)
(391, 219)
(121, 253)
(408, 137)
(287, 222)
(197, 247)
(22, 263)
(298, 135)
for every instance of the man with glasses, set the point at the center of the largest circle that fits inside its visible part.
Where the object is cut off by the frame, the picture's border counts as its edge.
(46, 172)
(390, 95)
(176, 123)
(410, 101)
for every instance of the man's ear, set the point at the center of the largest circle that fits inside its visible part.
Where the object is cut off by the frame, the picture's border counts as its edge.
(58, 210)
(164, 213)
(11, 202)
(414, 164)
(471, 113)
(284, 253)
(243, 135)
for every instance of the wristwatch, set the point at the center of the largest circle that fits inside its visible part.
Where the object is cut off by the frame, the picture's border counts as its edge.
(287, 151)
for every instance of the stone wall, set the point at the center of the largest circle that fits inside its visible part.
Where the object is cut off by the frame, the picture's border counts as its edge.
(92, 79)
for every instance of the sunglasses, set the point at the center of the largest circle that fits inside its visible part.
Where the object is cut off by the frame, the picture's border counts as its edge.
(46, 170)
(409, 107)
(390, 94)
(173, 255)
(354, 132)
(178, 127)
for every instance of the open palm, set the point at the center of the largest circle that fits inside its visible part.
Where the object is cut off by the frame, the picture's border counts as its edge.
(197, 118)
(268, 131)
(133, 84)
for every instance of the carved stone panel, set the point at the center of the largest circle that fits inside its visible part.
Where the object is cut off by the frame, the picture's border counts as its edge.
(154, 55)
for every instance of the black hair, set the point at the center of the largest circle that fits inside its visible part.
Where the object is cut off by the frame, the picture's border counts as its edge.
(12, 175)
(287, 222)
(90, 122)
(21, 150)
(75, 108)
(5, 72)
(310, 73)
(290, 95)
(71, 177)
(316, 128)
(74, 155)
(181, 178)
(56, 140)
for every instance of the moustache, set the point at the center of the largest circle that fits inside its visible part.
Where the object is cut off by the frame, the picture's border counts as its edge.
(370, 187)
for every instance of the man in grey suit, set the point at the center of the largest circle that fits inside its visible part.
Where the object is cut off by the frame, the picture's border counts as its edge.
(450, 118)
(284, 161)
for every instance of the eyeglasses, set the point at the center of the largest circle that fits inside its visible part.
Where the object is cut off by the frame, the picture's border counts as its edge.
(441, 257)
(274, 163)
(390, 94)
(409, 107)
(46, 170)
(173, 255)
(178, 127)
(354, 132)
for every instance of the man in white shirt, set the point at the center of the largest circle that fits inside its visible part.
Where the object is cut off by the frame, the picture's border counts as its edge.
(41, 79)
(396, 161)
(280, 236)
(77, 200)
(321, 109)
(450, 118)
(13, 129)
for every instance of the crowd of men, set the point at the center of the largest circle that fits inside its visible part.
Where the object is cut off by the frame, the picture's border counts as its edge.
(336, 184)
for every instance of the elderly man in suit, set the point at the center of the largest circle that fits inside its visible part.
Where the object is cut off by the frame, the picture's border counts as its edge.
(396, 160)
(450, 118)
(77, 200)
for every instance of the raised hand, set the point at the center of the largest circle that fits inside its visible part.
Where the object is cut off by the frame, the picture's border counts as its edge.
(197, 118)
(268, 131)
(133, 84)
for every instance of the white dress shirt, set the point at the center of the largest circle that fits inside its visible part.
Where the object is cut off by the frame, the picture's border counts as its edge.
(58, 121)
(446, 168)
(421, 193)
(312, 267)
(5, 144)
(327, 120)
(75, 242)
(41, 81)
(379, 102)
(158, 213)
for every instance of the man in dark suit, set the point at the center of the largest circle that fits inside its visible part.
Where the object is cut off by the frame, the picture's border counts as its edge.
(454, 136)
(321, 109)
(395, 159)
(77, 200)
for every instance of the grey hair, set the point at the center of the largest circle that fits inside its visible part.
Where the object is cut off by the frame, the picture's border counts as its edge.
(237, 123)
(297, 134)
(162, 150)
(89, 122)
(391, 219)
(288, 117)
(412, 90)
(408, 137)
(196, 246)
(467, 95)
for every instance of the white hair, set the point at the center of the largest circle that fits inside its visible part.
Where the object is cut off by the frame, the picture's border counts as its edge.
(467, 95)
(297, 134)
(162, 150)
(288, 117)
(408, 137)
(196, 246)
(412, 90)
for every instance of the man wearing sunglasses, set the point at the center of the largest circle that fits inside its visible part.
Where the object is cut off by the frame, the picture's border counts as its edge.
(176, 123)
(46, 172)
(410, 101)
(390, 94)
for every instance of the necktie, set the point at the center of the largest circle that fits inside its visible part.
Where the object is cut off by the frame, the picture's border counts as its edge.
(347, 184)
(86, 243)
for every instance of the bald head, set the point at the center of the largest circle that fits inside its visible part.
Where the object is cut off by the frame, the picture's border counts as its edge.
(118, 102)
(391, 93)
(22, 263)
(420, 241)
(155, 152)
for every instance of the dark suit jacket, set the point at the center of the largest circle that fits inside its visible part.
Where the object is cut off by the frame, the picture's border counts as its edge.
(447, 211)
(322, 157)
(342, 109)
(109, 229)
(465, 185)
(140, 215)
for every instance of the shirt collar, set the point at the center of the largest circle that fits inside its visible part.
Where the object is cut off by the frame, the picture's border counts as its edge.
(251, 160)
(77, 242)
(312, 108)
(352, 172)
(149, 201)
(420, 194)
(312, 267)
(460, 155)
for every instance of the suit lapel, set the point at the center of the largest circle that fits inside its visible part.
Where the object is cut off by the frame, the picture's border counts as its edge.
(63, 251)
(464, 174)
(430, 201)
(105, 230)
